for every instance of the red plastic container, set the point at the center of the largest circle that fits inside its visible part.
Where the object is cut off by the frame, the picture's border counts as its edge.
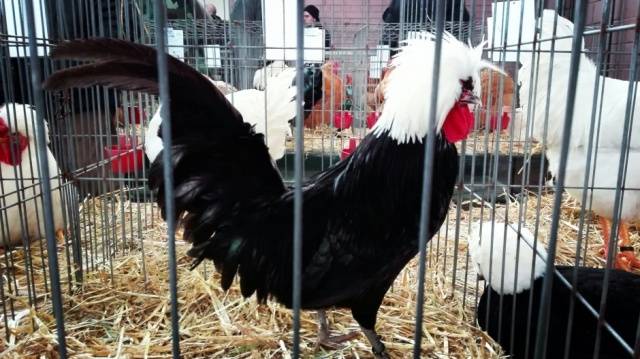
(506, 118)
(127, 141)
(372, 118)
(353, 143)
(493, 119)
(124, 157)
(342, 120)
(136, 114)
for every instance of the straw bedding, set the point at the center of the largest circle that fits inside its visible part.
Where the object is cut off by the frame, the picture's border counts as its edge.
(126, 315)
(323, 139)
(129, 317)
(327, 140)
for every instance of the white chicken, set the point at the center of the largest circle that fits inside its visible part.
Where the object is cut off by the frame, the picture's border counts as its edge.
(280, 102)
(608, 132)
(20, 178)
(261, 76)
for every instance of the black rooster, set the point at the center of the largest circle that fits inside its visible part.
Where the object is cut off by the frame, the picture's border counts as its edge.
(361, 217)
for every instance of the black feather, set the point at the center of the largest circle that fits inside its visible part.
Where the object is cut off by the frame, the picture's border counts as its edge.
(191, 92)
(247, 287)
(232, 246)
(130, 76)
(103, 49)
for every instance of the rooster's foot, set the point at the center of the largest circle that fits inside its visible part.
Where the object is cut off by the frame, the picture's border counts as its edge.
(377, 347)
(324, 335)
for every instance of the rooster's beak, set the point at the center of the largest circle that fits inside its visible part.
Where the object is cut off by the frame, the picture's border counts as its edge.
(469, 97)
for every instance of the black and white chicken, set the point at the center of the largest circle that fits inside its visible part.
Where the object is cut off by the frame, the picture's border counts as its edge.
(360, 217)
(508, 308)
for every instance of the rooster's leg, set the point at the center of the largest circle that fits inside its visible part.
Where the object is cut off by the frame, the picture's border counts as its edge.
(365, 313)
(324, 335)
(377, 347)
(625, 259)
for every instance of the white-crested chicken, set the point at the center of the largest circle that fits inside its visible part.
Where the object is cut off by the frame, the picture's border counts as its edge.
(601, 169)
(23, 216)
(237, 211)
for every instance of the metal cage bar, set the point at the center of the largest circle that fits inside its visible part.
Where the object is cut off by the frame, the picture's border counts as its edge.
(502, 175)
(36, 78)
(163, 80)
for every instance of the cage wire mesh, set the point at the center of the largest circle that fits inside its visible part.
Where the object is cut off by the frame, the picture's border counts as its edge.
(110, 286)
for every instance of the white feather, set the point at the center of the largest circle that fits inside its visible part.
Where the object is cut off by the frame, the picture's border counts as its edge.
(262, 76)
(270, 116)
(610, 112)
(22, 183)
(489, 255)
(408, 91)
(152, 142)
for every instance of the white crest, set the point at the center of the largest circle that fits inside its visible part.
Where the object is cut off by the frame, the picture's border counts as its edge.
(515, 253)
(408, 92)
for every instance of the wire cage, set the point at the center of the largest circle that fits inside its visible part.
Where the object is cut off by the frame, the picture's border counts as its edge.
(535, 255)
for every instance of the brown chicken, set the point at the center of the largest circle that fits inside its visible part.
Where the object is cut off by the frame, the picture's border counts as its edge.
(377, 99)
(379, 91)
(491, 85)
(332, 99)
(507, 90)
